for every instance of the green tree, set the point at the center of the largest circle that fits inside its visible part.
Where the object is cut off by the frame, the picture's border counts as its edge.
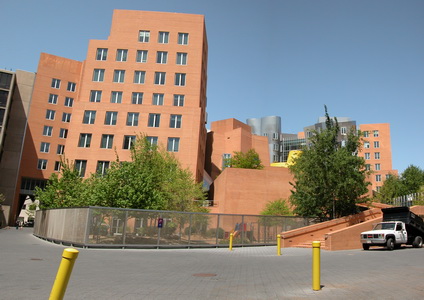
(277, 208)
(67, 189)
(153, 179)
(392, 188)
(412, 179)
(329, 177)
(248, 160)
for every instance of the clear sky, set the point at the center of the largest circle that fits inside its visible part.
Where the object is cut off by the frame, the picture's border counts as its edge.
(364, 59)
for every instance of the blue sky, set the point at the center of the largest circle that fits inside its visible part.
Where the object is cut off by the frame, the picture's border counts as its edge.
(364, 59)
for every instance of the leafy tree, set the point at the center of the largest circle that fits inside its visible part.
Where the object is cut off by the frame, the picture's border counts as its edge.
(329, 178)
(153, 179)
(412, 179)
(277, 208)
(67, 189)
(248, 160)
(392, 188)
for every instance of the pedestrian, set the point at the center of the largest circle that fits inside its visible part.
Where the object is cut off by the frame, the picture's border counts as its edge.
(17, 224)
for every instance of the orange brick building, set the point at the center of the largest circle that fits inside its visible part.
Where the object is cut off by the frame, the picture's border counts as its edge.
(377, 152)
(148, 77)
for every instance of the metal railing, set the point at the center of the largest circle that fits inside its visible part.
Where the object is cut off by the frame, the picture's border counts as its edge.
(132, 228)
(408, 200)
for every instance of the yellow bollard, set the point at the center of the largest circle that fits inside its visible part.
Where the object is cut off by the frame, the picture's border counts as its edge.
(69, 256)
(278, 244)
(231, 241)
(316, 266)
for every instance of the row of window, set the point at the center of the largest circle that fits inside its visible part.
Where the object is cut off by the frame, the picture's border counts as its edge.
(136, 98)
(142, 56)
(80, 166)
(139, 77)
(377, 167)
(106, 142)
(367, 133)
(111, 118)
(163, 37)
(378, 178)
(53, 99)
(376, 144)
(367, 155)
(56, 85)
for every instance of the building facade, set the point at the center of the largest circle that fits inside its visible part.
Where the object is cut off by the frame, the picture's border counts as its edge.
(148, 78)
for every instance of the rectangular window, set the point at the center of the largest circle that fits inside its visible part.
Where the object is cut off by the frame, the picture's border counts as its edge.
(84, 140)
(366, 134)
(128, 141)
(55, 83)
(69, 102)
(144, 36)
(375, 133)
(121, 54)
(377, 167)
(137, 98)
(154, 120)
(182, 38)
(160, 78)
(175, 121)
(42, 164)
(66, 117)
(116, 97)
(57, 166)
(161, 57)
(119, 76)
(107, 141)
(181, 58)
(80, 166)
(366, 145)
(343, 130)
(132, 119)
(377, 155)
(367, 156)
(98, 75)
(71, 86)
(101, 54)
(95, 96)
(139, 77)
(376, 144)
(63, 133)
(47, 130)
(367, 167)
(45, 147)
(388, 176)
(111, 117)
(102, 167)
(60, 149)
(50, 114)
(141, 56)
(173, 144)
(53, 99)
(163, 37)
(158, 99)
(378, 178)
(89, 117)
(178, 100)
(153, 140)
(180, 79)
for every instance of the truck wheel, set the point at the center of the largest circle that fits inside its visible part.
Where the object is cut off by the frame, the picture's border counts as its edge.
(418, 242)
(365, 246)
(390, 244)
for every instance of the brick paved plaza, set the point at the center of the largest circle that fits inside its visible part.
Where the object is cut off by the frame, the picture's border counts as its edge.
(28, 268)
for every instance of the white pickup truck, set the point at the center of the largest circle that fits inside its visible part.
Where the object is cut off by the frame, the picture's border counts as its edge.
(399, 226)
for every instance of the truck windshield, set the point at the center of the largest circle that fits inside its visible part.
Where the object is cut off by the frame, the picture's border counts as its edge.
(385, 226)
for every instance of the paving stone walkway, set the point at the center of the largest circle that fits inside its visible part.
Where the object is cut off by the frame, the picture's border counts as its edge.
(28, 267)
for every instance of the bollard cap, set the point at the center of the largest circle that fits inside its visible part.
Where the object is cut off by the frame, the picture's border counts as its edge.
(70, 253)
(316, 244)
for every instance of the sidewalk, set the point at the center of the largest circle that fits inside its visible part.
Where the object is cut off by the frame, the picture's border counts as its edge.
(28, 268)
